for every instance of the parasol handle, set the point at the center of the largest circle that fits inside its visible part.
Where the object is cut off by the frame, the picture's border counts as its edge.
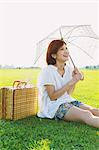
(75, 67)
(72, 61)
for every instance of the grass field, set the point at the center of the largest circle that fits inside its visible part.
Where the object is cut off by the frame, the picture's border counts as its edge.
(33, 133)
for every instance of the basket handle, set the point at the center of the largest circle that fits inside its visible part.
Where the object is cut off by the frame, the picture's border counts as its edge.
(19, 83)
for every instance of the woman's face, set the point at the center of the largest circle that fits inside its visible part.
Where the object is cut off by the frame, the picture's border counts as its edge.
(62, 54)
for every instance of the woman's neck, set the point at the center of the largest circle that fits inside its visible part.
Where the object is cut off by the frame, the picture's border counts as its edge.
(60, 66)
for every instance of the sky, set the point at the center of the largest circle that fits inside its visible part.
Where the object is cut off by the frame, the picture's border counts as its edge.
(24, 23)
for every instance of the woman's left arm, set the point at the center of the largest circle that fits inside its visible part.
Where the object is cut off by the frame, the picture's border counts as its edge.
(71, 89)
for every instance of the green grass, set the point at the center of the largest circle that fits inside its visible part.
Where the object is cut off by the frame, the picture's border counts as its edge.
(7, 76)
(88, 90)
(33, 133)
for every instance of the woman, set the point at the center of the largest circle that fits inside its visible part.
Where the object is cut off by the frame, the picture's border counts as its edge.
(56, 83)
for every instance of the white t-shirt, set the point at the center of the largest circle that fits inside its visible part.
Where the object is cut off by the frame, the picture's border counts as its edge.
(50, 76)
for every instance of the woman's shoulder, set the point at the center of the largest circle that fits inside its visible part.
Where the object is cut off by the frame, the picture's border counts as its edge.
(48, 68)
(45, 75)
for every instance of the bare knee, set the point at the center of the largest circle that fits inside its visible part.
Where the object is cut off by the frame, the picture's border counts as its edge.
(87, 115)
(95, 111)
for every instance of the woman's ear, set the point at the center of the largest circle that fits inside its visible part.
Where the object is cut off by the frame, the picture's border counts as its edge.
(53, 56)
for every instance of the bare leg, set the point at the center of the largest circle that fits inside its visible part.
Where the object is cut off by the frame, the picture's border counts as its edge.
(78, 114)
(94, 111)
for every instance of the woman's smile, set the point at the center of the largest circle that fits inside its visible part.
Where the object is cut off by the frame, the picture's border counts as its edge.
(66, 56)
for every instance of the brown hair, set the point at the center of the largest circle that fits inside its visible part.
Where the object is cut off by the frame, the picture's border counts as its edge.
(53, 49)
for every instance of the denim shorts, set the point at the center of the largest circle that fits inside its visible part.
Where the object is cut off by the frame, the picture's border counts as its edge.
(63, 109)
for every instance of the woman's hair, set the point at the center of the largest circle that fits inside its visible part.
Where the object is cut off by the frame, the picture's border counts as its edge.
(53, 48)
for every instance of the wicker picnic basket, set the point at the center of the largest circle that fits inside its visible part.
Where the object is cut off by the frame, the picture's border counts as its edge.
(0, 104)
(18, 102)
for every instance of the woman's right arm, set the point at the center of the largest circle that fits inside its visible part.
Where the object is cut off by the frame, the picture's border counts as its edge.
(56, 94)
(75, 71)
